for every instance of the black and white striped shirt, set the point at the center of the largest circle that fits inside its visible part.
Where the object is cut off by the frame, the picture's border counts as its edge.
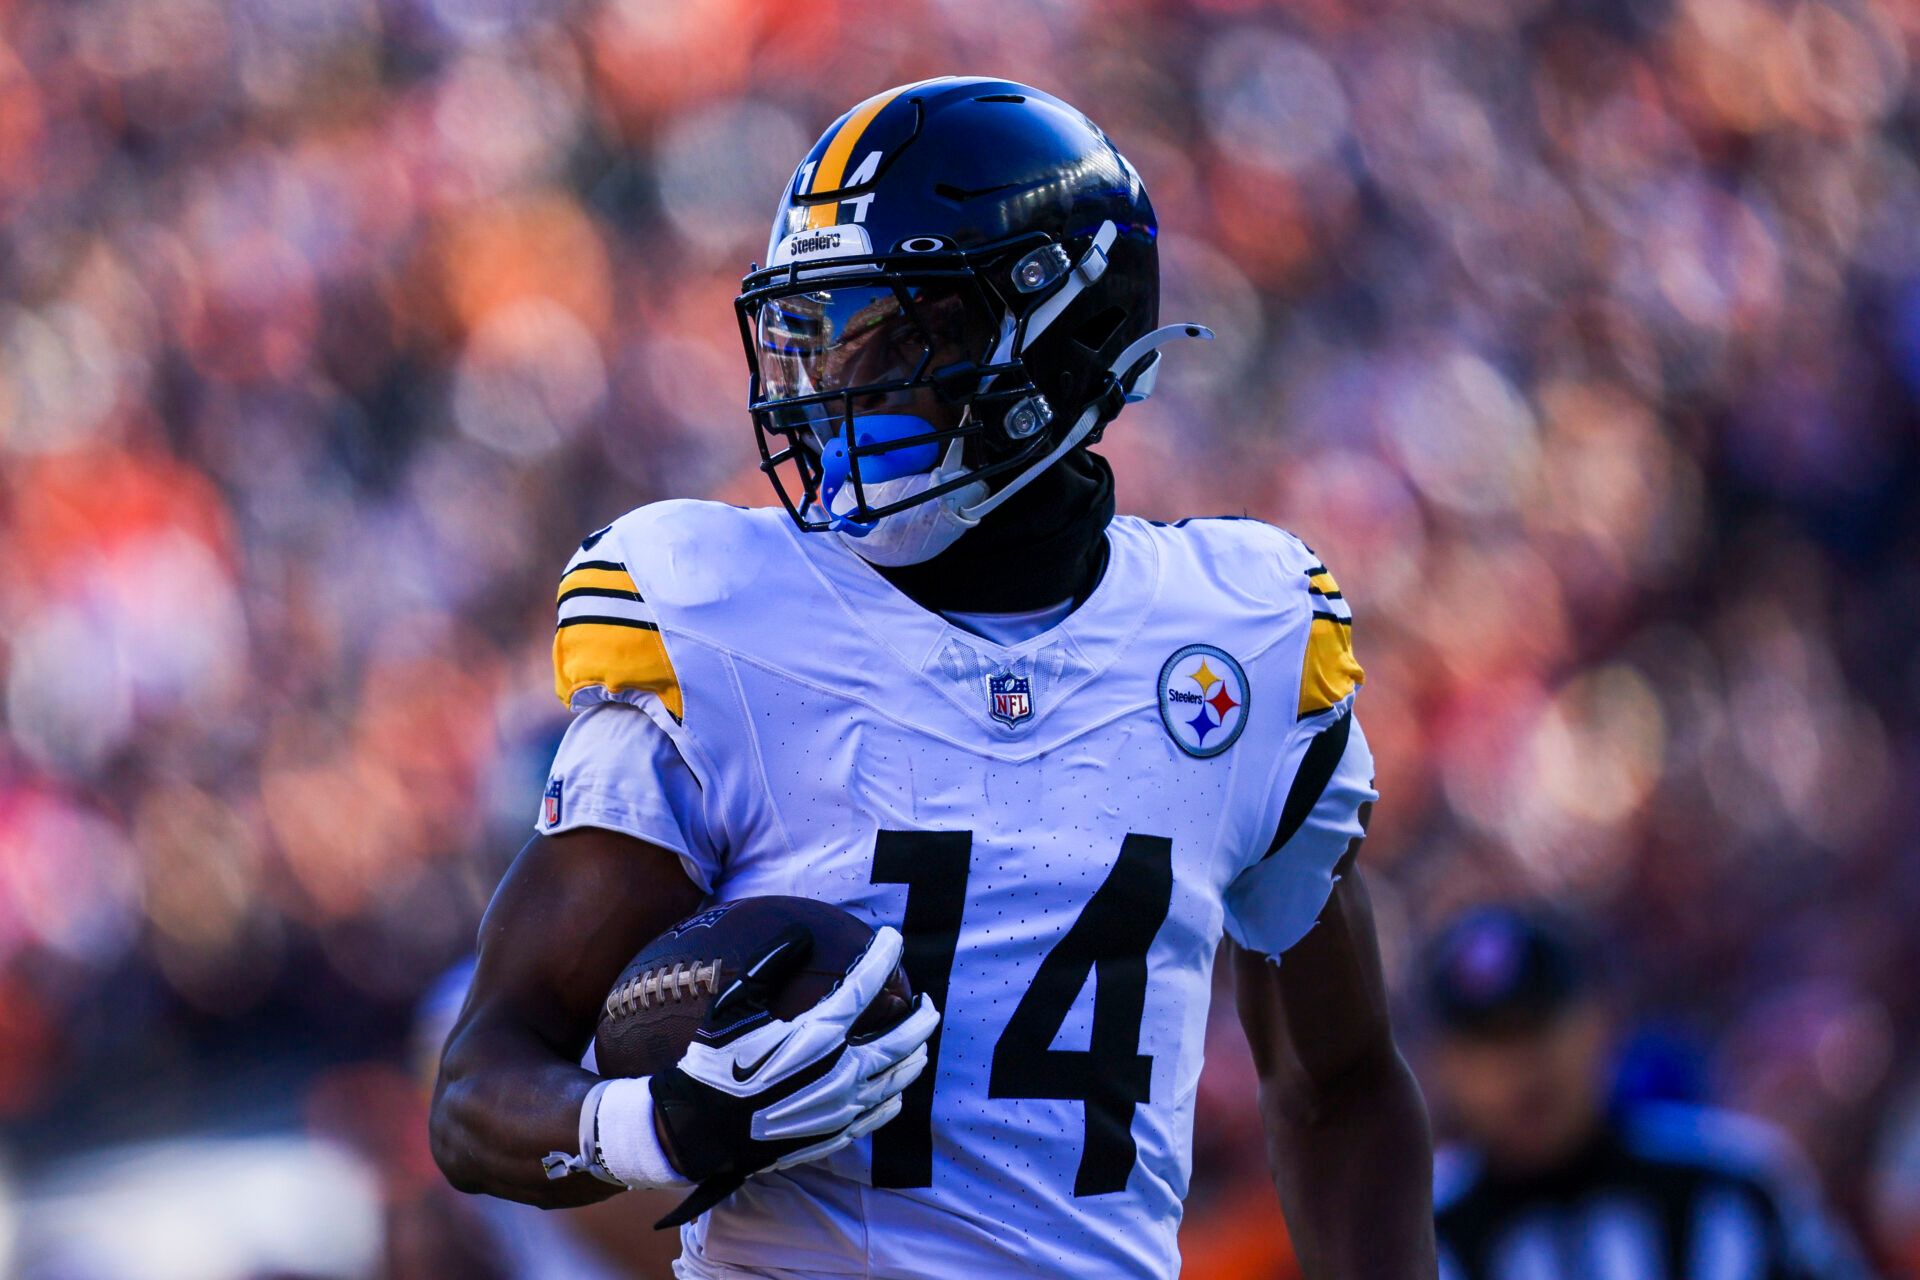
(1663, 1193)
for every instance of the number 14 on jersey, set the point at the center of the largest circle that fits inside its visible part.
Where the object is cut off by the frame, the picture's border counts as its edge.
(1108, 943)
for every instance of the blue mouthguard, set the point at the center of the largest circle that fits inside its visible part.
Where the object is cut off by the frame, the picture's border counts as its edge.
(836, 466)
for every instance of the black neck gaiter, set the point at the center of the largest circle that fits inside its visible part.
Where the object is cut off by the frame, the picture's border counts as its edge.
(1047, 544)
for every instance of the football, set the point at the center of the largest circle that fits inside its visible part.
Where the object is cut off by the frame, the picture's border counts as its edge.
(650, 1015)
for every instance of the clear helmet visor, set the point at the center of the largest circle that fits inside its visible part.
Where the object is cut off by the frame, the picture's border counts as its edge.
(869, 351)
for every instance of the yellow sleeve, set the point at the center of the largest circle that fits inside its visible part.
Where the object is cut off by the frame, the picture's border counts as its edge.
(608, 638)
(1330, 673)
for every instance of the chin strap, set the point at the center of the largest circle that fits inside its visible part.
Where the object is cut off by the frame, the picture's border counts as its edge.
(1130, 380)
(1134, 380)
(1082, 275)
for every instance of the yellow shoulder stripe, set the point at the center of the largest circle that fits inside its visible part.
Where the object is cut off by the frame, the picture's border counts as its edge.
(1323, 583)
(616, 655)
(1331, 672)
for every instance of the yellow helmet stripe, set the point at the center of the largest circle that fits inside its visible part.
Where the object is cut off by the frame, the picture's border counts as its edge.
(833, 165)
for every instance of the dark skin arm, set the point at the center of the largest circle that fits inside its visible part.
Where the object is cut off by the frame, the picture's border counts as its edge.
(1347, 1132)
(572, 910)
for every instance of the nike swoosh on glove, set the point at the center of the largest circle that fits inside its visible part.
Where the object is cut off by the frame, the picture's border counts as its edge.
(756, 1092)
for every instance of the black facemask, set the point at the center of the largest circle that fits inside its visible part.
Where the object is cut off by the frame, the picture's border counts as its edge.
(1047, 544)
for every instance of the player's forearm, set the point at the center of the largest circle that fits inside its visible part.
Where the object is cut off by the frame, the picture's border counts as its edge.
(1353, 1161)
(504, 1102)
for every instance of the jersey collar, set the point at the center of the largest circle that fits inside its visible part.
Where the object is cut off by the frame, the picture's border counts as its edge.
(1089, 640)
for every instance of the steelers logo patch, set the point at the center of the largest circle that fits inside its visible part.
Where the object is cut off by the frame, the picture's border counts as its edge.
(1203, 699)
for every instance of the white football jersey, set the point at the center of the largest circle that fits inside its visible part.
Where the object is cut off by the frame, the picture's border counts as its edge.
(1061, 829)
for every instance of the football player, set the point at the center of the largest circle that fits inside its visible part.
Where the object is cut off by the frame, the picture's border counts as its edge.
(1054, 754)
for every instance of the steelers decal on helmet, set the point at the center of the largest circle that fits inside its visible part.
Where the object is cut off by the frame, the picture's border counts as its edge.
(1203, 699)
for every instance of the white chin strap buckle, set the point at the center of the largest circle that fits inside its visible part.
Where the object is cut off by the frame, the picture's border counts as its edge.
(1142, 354)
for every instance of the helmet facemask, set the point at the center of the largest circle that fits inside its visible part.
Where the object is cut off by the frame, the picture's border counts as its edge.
(871, 371)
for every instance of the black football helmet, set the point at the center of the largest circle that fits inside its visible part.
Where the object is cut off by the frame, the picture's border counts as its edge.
(962, 280)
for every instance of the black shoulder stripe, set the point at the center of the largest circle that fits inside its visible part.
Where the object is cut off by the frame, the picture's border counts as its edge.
(1184, 521)
(1333, 617)
(583, 619)
(597, 564)
(586, 543)
(1326, 595)
(1316, 770)
(1314, 570)
(611, 593)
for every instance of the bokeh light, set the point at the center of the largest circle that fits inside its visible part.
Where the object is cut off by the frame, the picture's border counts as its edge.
(1582, 341)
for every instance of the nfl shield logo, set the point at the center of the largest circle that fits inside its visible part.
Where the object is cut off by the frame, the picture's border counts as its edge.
(1012, 698)
(553, 802)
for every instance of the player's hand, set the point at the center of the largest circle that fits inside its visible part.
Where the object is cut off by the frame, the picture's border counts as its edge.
(755, 1092)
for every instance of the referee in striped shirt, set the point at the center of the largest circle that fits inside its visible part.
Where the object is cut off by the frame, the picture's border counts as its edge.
(1550, 1183)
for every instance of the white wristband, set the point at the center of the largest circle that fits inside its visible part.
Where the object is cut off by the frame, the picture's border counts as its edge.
(625, 1139)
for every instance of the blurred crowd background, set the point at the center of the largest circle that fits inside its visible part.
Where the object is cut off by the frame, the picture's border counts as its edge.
(1581, 337)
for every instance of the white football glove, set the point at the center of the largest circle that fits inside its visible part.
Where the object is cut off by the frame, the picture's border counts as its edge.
(755, 1092)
